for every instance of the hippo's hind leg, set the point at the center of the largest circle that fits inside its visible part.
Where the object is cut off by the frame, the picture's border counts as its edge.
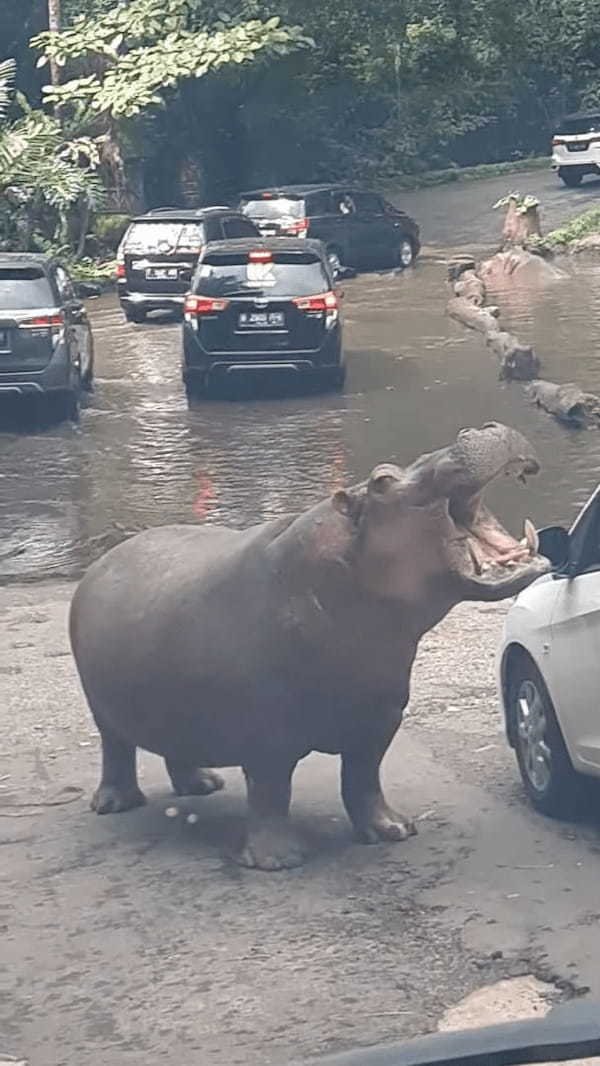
(190, 780)
(270, 842)
(372, 818)
(118, 789)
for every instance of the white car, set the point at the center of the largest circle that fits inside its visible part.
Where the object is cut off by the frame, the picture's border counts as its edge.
(549, 669)
(576, 147)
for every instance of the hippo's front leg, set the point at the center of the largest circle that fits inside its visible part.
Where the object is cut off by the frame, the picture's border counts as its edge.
(363, 798)
(270, 841)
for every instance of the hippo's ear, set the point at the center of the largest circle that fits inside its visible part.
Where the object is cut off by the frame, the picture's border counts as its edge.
(346, 502)
(384, 479)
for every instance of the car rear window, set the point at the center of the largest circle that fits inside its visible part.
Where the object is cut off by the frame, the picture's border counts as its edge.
(284, 275)
(24, 288)
(164, 237)
(572, 126)
(278, 207)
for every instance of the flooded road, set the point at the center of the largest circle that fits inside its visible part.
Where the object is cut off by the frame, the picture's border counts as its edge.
(141, 457)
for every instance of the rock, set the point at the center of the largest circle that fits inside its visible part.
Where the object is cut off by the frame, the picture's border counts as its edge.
(458, 265)
(481, 319)
(517, 266)
(517, 361)
(586, 244)
(566, 402)
(471, 287)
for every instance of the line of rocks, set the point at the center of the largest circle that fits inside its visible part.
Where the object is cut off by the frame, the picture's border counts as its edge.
(518, 362)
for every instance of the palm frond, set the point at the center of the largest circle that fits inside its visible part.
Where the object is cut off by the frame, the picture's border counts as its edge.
(7, 77)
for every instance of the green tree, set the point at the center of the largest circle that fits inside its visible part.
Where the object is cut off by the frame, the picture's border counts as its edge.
(133, 59)
(46, 178)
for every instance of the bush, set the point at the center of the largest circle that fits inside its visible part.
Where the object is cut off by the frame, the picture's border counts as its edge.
(107, 230)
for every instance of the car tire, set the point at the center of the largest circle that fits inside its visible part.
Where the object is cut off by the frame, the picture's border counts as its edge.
(406, 253)
(135, 314)
(334, 258)
(87, 378)
(552, 784)
(196, 387)
(64, 406)
(571, 178)
(334, 378)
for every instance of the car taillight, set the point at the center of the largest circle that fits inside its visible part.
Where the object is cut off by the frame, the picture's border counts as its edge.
(328, 301)
(43, 322)
(120, 273)
(203, 305)
(261, 255)
(300, 226)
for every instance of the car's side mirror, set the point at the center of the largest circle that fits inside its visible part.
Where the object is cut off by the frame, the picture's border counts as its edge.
(554, 545)
(85, 289)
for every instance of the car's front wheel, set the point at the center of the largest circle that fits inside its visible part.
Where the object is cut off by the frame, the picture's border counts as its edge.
(406, 252)
(551, 783)
(570, 177)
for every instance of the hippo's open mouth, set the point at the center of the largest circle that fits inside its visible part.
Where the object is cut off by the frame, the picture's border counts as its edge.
(491, 556)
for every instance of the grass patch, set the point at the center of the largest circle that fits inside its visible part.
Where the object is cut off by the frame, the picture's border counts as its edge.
(478, 173)
(583, 225)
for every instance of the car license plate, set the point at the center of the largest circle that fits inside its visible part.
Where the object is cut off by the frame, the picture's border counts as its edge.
(261, 319)
(580, 147)
(163, 273)
(268, 231)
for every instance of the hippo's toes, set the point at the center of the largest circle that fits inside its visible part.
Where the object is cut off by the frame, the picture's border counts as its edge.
(270, 849)
(388, 826)
(198, 783)
(109, 799)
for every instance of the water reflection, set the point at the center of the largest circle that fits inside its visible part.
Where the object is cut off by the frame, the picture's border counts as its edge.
(140, 456)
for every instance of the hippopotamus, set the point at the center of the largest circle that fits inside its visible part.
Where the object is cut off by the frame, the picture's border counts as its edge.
(217, 647)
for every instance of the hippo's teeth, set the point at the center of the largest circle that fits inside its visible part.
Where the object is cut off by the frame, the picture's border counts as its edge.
(474, 559)
(531, 538)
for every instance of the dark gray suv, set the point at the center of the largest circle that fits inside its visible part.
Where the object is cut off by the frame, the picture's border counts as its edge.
(159, 252)
(45, 336)
(358, 228)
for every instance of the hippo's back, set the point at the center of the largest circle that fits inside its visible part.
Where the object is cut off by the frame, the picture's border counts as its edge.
(166, 599)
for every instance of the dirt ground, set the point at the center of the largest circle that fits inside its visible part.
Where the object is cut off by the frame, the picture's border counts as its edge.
(133, 939)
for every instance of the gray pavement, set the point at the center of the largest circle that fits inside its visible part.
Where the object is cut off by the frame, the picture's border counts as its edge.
(132, 940)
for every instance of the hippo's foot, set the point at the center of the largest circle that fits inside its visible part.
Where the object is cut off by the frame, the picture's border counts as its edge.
(110, 799)
(383, 824)
(192, 781)
(270, 847)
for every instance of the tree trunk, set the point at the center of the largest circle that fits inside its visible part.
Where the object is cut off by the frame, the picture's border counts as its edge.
(520, 226)
(54, 27)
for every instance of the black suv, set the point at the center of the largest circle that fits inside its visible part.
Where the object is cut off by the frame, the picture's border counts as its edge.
(159, 251)
(263, 305)
(45, 336)
(359, 229)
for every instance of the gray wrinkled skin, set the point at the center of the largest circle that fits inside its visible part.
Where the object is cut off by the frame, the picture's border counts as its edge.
(213, 647)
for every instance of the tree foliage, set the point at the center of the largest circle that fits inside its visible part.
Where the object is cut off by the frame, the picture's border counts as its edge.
(44, 173)
(150, 46)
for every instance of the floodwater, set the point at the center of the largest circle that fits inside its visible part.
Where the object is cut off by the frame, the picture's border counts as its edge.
(140, 456)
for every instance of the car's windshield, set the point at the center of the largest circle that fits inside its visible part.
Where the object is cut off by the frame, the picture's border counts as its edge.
(586, 124)
(22, 289)
(280, 207)
(163, 237)
(283, 276)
